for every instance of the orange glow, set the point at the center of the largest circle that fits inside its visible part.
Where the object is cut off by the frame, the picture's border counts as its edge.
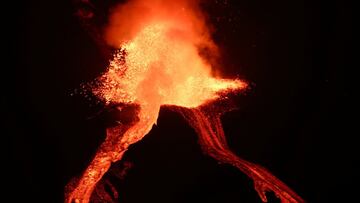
(158, 63)
(161, 69)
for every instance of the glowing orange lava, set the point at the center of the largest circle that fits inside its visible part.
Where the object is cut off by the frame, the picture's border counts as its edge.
(158, 63)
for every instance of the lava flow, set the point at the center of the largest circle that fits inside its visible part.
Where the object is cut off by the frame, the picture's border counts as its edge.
(158, 63)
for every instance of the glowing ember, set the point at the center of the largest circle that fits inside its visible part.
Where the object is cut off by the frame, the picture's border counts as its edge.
(158, 63)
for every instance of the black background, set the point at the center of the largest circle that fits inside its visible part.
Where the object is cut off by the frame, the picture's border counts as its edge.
(298, 119)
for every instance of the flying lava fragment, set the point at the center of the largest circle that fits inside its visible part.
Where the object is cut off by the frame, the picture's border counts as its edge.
(158, 64)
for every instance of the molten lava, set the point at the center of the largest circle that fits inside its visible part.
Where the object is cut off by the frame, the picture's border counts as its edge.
(158, 63)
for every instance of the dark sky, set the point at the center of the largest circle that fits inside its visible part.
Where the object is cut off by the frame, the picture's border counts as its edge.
(297, 120)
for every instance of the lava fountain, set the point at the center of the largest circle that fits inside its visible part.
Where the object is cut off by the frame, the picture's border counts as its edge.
(158, 63)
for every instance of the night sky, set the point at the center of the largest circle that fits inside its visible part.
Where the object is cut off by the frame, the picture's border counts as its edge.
(297, 119)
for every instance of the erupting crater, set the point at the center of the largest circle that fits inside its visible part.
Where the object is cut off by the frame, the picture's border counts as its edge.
(158, 63)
